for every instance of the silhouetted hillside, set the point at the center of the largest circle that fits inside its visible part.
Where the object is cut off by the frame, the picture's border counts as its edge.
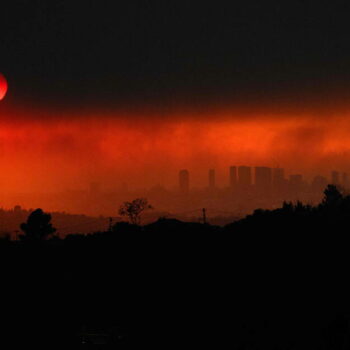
(276, 279)
(66, 223)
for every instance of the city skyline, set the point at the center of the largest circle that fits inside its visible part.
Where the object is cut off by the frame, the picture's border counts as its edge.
(235, 175)
(261, 177)
(242, 190)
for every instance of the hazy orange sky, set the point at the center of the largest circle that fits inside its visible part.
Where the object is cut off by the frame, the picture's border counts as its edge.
(134, 91)
(51, 149)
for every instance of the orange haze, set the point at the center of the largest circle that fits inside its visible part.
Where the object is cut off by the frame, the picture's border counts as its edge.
(46, 151)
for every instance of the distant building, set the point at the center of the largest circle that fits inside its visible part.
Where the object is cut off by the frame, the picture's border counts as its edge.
(335, 177)
(244, 176)
(319, 183)
(263, 177)
(184, 181)
(211, 178)
(233, 176)
(278, 178)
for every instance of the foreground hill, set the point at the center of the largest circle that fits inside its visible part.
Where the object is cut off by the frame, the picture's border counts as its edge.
(276, 279)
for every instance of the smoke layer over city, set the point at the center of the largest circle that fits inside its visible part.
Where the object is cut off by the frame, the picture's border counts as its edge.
(70, 149)
(125, 95)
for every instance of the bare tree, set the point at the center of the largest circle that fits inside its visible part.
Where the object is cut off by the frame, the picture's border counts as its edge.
(133, 210)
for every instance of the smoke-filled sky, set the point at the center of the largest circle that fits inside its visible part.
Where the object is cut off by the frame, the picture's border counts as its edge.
(133, 91)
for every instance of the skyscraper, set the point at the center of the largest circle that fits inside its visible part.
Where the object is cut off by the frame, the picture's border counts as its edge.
(263, 177)
(184, 181)
(233, 176)
(211, 179)
(244, 176)
(278, 179)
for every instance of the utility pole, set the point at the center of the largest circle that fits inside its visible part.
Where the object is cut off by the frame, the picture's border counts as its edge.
(204, 216)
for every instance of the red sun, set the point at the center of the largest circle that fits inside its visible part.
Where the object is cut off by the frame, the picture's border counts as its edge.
(3, 86)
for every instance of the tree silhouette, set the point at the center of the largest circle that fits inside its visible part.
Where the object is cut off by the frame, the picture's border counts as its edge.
(38, 226)
(332, 195)
(133, 210)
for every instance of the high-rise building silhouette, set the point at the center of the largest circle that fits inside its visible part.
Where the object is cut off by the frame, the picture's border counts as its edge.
(211, 179)
(233, 176)
(335, 177)
(244, 176)
(263, 177)
(278, 179)
(184, 181)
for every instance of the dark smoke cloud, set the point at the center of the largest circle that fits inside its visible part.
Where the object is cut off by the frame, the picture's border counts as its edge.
(137, 53)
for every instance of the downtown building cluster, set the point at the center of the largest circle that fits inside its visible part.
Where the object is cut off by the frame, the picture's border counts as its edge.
(262, 179)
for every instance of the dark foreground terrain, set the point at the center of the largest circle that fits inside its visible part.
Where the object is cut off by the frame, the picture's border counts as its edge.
(275, 280)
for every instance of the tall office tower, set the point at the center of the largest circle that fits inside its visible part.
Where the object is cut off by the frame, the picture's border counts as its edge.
(233, 176)
(335, 177)
(184, 181)
(244, 176)
(263, 177)
(278, 179)
(211, 178)
(296, 181)
(345, 180)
